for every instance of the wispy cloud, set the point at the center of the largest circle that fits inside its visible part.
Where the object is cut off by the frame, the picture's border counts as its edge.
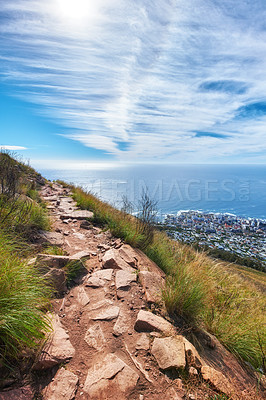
(165, 80)
(15, 148)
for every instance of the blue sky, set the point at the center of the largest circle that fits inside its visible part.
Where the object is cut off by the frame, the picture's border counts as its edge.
(121, 81)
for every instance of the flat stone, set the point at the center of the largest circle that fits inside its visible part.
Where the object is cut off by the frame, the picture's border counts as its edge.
(99, 278)
(78, 214)
(79, 235)
(112, 259)
(121, 326)
(143, 342)
(169, 352)
(23, 393)
(94, 337)
(102, 303)
(129, 255)
(57, 278)
(109, 376)
(217, 380)
(82, 296)
(58, 348)
(108, 314)
(152, 285)
(81, 254)
(148, 322)
(123, 279)
(63, 386)
(53, 238)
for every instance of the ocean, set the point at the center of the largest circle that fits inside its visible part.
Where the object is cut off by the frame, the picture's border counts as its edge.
(235, 189)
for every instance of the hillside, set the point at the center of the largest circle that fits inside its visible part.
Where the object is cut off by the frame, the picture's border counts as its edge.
(116, 315)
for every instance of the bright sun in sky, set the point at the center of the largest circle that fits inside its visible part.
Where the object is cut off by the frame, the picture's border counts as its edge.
(78, 9)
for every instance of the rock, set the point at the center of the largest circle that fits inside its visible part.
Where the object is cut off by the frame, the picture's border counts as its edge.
(79, 235)
(82, 296)
(53, 238)
(99, 278)
(123, 279)
(108, 314)
(58, 348)
(63, 387)
(78, 214)
(112, 259)
(192, 371)
(152, 285)
(58, 279)
(86, 225)
(217, 380)
(169, 352)
(148, 322)
(100, 304)
(128, 254)
(143, 342)
(110, 376)
(95, 337)
(53, 261)
(23, 393)
(192, 356)
(121, 326)
(80, 255)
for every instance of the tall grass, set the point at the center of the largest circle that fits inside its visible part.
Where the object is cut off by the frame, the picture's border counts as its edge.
(198, 289)
(120, 224)
(23, 300)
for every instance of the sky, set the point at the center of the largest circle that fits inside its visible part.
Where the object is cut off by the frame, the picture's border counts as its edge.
(143, 81)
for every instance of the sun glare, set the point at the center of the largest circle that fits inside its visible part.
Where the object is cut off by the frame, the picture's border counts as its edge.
(77, 9)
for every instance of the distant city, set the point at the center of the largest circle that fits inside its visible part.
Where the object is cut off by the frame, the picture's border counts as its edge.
(245, 237)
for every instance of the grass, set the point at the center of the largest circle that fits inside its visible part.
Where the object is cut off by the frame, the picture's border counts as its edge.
(202, 291)
(24, 297)
(120, 224)
(24, 293)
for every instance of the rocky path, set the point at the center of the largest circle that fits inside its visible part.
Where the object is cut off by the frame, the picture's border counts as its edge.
(106, 341)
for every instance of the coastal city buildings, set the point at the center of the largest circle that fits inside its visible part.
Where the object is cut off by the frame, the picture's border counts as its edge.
(245, 237)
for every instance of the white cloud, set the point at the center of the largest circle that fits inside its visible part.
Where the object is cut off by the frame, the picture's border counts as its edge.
(8, 147)
(134, 73)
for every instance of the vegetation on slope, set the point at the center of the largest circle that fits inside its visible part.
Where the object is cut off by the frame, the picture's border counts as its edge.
(23, 292)
(198, 289)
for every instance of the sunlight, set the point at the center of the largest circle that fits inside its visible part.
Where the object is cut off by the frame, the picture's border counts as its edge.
(78, 10)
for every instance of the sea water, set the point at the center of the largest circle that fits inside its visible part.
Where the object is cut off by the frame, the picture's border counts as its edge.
(235, 189)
